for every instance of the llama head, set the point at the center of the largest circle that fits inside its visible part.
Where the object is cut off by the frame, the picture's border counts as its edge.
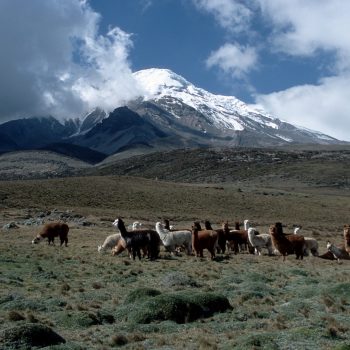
(37, 239)
(159, 225)
(115, 223)
(99, 248)
(197, 226)
(279, 228)
(329, 245)
(296, 230)
(136, 225)
(272, 230)
(246, 224)
(207, 225)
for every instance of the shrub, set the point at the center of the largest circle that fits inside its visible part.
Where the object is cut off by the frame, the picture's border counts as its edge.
(140, 294)
(27, 336)
(179, 307)
(15, 316)
(119, 340)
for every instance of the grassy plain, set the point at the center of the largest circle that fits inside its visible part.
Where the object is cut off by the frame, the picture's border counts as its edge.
(88, 299)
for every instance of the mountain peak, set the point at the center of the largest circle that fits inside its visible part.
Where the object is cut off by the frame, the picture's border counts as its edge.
(157, 81)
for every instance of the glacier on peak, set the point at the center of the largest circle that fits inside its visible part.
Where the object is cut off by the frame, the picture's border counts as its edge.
(225, 112)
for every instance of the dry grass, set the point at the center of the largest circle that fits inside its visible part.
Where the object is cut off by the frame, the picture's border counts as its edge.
(83, 296)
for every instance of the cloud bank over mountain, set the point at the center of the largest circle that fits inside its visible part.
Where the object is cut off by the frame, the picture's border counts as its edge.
(54, 61)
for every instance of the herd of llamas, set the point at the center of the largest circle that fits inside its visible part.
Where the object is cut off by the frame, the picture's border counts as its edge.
(137, 239)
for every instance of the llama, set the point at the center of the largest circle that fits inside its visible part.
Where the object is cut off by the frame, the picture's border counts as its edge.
(286, 244)
(222, 233)
(172, 239)
(204, 239)
(260, 241)
(110, 242)
(338, 253)
(238, 239)
(311, 244)
(135, 240)
(52, 230)
(347, 237)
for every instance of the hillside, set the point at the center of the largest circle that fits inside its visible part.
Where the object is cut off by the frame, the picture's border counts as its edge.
(278, 168)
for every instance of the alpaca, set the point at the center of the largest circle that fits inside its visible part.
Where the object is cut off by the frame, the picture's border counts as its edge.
(135, 240)
(52, 230)
(110, 242)
(286, 244)
(204, 239)
(260, 241)
(171, 239)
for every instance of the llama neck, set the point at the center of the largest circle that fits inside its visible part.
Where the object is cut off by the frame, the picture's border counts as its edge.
(194, 236)
(122, 228)
(246, 224)
(161, 231)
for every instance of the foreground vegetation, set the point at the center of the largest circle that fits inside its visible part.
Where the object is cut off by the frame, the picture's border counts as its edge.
(96, 301)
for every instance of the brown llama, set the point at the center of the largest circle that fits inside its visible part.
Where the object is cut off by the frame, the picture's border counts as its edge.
(287, 244)
(52, 230)
(222, 233)
(204, 239)
(238, 239)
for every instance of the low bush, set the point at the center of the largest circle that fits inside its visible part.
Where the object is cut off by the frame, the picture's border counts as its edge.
(27, 336)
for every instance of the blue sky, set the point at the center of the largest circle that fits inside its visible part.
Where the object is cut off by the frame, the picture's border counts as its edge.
(291, 58)
(180, 36)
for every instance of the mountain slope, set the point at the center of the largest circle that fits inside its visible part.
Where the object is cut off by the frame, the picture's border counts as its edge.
(122, 129)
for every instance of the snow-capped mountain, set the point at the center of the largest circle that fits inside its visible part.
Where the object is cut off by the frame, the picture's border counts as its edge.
(216, 115)
(172, 113)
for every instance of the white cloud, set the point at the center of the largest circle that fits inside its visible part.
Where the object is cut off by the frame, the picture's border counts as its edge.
(305, 27)
(233, 59)
(108, 80)
(230, 14)
(324, 107)
(54, 62)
